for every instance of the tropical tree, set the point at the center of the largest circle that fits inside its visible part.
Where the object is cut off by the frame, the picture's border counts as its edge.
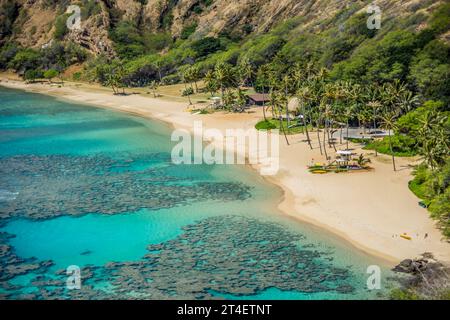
(407, 101)
(262, 81)
(286, 82)
(434, 137)
(195, 75)
(113, 77)
(278, 101)
(229, 99)
(245, 71)
(50, 74)
(211, 82)
(154, 85)
(189, 75)
(304, 98)
(241, 98)
(158, 66)
(389, 123)
(121, 74)
(362, 161)
(187, 90)
(225, 76)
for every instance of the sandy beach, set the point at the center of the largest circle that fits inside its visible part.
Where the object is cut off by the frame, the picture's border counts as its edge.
(368, 209)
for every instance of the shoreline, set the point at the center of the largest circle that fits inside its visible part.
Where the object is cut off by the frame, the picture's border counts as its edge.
(381, 199)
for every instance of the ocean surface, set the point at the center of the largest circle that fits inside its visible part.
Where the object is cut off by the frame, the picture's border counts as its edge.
(87, 187)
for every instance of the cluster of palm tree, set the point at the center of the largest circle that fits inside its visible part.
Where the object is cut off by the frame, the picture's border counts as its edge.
(331, 106)
(434, 139)
(324, 105)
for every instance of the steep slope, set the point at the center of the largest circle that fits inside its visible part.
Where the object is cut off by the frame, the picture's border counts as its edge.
(33, 23)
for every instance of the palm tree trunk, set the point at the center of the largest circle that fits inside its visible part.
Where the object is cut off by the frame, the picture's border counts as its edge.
(347, 133)
(282, 128)
(375, 127)
(328, 134)
(287, 109)
(318, 137)
(264, 105)
(333, 144)
(392, 152)
(196, 87)
(306, 127)
(324, 140)
(189, 96)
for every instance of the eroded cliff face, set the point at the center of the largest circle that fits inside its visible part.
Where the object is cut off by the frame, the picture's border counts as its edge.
(34, 24)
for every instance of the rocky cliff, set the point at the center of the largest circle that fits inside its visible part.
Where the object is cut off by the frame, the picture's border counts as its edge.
(33, 22)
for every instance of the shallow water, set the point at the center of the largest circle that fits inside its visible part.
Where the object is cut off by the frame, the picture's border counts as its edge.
(90, 187)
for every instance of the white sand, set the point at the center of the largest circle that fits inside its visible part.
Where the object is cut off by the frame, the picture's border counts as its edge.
(369, 209)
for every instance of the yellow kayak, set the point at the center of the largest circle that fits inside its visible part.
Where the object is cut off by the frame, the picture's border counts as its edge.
(319, 171)
(405, 236)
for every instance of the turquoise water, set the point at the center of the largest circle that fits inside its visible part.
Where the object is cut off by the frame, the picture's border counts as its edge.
(85, 186)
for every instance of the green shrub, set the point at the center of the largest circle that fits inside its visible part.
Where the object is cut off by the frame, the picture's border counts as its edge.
(265, 125)
(187, 92)
(403, 294)
(188, 30)
(434, 188)
(76, 76)
(270, 124)
(60, 27)
(206, 46)
(50, 74)
(32, 75)
(171, 79)
(25, 59)
(402, 146)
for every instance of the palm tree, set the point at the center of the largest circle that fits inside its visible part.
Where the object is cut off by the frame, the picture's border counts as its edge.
(391, 94)
(116, 76)
(273, 85)
(224, 75)
(154, 86)
(434, 138)
(188, 76)
(195, 75)
(158, 65)
(263, 82)
(362, 161)
(375, 105)
(304, 96)
(388, 122)
(298, 76)
(211, 82)
(245, 71)
(111, 80)
(229, 99)
(278, 101)
(241, 98)
(407, 101)
(185, 78)
(286, 83)
(318, 120)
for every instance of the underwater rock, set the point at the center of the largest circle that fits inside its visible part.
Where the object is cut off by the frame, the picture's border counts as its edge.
(102, 187)
(218, 255)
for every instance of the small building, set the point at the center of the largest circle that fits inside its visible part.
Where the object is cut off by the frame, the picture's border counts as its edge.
(258, 99)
